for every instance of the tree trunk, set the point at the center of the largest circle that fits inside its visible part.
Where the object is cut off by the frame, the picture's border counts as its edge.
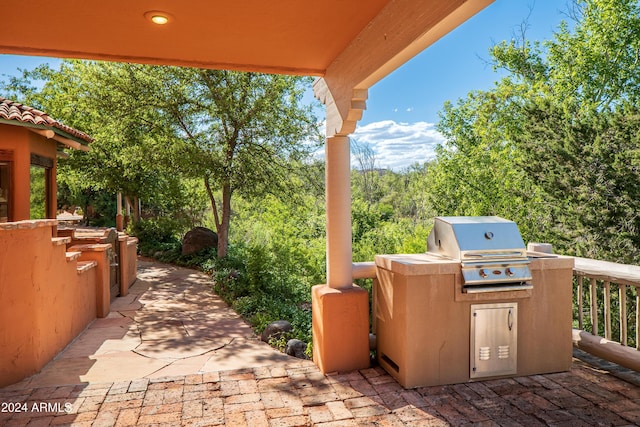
(132, 205)
(136, 210)
(222, 225)
(223, 231)
(127, 216)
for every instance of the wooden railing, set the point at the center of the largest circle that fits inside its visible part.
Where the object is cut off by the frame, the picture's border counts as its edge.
(595, 281)
(606, 310)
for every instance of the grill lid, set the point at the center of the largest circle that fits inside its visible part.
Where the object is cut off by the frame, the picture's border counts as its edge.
(490, 248)
(476, 238)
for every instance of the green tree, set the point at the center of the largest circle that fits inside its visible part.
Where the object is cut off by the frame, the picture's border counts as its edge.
(38, 194)
(237, 132)
(546, 145)
(367, 174)
(589, 169)
(477, 171)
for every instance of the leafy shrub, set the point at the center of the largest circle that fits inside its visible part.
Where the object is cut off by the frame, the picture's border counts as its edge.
(157, 235)
(389, 237)
(257, 284)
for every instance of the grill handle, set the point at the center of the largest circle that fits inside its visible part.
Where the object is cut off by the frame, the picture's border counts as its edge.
(477, 289)
(510, 319)
(492, 255)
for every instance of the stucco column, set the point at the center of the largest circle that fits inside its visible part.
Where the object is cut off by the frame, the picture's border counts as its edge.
(338, 196)
(340, 310)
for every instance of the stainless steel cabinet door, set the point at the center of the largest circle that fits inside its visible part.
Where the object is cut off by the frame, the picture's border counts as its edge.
(494, 340)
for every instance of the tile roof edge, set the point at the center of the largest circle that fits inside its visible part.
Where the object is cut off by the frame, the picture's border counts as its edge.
(12, 112)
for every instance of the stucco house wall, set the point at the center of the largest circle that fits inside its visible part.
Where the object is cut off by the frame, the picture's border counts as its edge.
(22, 142)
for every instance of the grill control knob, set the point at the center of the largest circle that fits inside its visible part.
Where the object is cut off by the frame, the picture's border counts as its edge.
(483, 273)
(509, 272)
(488, 235)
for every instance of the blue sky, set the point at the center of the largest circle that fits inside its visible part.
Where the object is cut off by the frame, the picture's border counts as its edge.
(456, 64)
(403, 107)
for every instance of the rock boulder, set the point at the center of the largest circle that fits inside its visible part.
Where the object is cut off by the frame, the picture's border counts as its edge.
(296, 348)
(198, 239)
(275, 330)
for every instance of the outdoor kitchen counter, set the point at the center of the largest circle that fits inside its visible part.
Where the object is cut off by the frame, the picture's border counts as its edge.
(423, 318)
(421, 264)
(417, 264)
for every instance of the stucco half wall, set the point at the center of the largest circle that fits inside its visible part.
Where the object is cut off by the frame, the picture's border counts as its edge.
(47, 297)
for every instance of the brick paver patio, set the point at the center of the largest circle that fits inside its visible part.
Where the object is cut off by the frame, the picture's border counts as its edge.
(297, 394)
(292, 392)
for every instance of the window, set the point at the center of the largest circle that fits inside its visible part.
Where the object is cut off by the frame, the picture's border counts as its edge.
(39, 192)
(5, 190)
(40, 179)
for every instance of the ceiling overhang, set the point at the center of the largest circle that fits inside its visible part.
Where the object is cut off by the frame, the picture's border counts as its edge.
(286, 36)
(350, 44)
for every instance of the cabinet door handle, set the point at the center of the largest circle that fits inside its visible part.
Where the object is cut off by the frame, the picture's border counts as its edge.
(510, 319)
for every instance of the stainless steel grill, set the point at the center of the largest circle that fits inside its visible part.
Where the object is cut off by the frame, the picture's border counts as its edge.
(490, 249)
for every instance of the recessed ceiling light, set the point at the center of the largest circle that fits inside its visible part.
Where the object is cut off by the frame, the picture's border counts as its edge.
(157, 17)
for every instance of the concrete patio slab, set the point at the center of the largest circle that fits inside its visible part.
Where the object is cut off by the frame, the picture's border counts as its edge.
(167, 330)
(113, 320)
(129, 342)
(225, 327)
(125, 308)
(181, 348)
(100, 341)
(121, 366)
(130, 313)
(243, 353)
(123, 303)
(182, 367)
(62, 371)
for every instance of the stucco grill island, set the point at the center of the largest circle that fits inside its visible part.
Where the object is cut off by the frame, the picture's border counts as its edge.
(475, 306)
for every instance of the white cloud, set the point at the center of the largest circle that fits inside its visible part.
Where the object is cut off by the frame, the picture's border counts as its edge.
(410, 109)
(398, 145)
